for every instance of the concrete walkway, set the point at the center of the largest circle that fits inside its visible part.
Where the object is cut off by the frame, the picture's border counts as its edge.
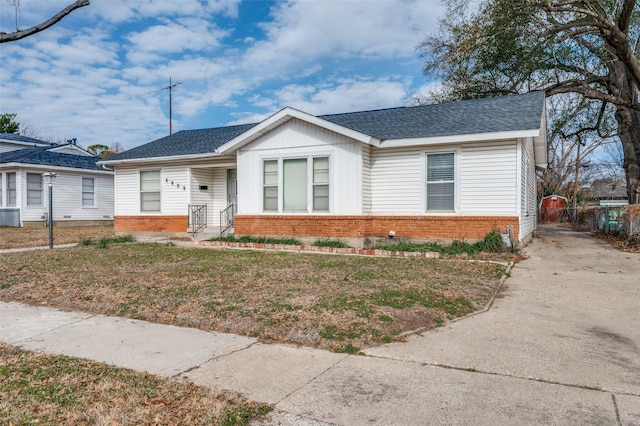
(561, 346)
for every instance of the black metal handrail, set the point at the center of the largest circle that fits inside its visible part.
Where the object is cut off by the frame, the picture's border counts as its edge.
(226, 218)
(197, 217)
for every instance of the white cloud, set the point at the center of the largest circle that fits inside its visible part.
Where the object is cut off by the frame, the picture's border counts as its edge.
(97, 74)
(118, 11)
(172, 37)
(345, 95)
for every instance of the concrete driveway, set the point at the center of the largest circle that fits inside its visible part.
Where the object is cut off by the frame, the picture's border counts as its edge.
(570, 316)
(560, 346)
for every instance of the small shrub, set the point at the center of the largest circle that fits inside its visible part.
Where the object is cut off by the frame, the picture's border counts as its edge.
(104, 242)
(326, 242)
(492, 242)
(258, 240)
(87, 242)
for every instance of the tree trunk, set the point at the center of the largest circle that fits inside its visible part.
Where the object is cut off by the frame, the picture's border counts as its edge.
(628, 119)
(629, 133)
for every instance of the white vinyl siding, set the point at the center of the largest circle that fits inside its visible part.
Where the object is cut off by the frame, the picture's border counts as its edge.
(485, 179)
(175, 191)
(488, 179)
(1, 191)
(67, 201)
(299, 139)
(397, 181)
(34, 189)
(527, 189)
(127, 197)
(441, 182)
(88, 192)
(150, 191)
(175, 194)
(366, 179)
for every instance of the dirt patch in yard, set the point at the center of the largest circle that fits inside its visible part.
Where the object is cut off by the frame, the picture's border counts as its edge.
(38, 236)
(341, 303)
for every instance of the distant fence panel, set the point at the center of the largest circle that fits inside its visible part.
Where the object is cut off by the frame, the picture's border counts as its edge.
(608, 219)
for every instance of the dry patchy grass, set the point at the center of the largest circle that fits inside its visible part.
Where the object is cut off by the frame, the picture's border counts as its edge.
(53, 390)
(340, 303)
(38, 236)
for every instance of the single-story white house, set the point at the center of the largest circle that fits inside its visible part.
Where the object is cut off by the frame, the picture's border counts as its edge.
(444, 171)
(83, 191)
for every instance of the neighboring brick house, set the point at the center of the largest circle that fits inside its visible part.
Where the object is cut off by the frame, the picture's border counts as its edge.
(442, 171)
(82, 192)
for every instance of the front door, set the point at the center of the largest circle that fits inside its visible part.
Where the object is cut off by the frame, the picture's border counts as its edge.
(232, 191)
(232, 186)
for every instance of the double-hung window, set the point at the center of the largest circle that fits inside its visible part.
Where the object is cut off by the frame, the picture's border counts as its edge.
(88, 192)
(321, 184)
(150, 191)
(11, 189)
(34, 189)
(441, 182)
(270, 185)
(296, 185)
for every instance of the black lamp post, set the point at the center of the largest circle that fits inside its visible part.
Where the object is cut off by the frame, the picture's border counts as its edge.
(50, 177)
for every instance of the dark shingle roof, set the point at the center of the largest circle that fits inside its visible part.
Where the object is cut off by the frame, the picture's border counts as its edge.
(44, 157)
(499, 114)
(185, 142)
(20, 138)
(488, 115)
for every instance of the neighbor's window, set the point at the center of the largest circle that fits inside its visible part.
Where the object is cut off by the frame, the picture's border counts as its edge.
(11, 189)
(270, 185)
(34, 189)
(294, 184)
(150, 191)
(88, 192)
(321, 184)
(440, 182)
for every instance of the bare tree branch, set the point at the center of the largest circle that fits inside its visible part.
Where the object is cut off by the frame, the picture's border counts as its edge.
(20, 34)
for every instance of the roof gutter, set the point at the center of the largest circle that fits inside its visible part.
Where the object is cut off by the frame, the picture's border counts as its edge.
(472, 137)
(172, 158)
(52, 167)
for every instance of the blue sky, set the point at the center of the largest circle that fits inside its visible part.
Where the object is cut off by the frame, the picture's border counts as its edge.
(96, 76)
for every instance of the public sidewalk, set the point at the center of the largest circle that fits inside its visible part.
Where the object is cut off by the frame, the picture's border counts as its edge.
(561, 346)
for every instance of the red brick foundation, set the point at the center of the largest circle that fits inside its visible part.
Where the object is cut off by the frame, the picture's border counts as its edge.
(426, 227)
(150, 223)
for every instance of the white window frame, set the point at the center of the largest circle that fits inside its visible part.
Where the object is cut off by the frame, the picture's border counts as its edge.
(13, 190)
(93, 193)
(40, 191)
(456, 180)
(270, 185)
(141, 191)
(309, 183)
